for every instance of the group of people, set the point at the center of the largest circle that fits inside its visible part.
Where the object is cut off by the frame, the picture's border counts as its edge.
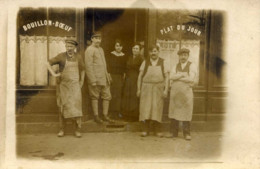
(132, 88)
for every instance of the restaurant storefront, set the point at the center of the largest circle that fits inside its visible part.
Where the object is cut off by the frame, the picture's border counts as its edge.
(41, 33)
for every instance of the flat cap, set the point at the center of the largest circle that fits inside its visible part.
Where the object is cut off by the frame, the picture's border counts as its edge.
(183, 50)
(71, 40)
(96, 34)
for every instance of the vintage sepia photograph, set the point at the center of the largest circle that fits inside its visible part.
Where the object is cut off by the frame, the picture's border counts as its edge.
(112, 83)
(140, 84)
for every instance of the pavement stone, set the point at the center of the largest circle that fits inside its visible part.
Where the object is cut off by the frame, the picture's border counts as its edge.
(120, 146)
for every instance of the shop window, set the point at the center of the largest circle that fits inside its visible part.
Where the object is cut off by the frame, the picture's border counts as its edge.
(181, 29)
(41, 36)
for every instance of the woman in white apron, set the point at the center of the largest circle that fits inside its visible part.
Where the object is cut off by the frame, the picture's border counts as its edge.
(69, 97)
(181, 96)
(152, 89)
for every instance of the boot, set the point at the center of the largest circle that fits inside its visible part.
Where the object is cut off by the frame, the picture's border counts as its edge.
(175, 127)
(108, 119)
(145, 128)
(105, 111)
(98, 120)
(186, 130)
(94, 104)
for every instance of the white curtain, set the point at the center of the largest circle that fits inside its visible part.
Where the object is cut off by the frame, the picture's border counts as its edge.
(169, 49)
(56, 46)
(33, 50)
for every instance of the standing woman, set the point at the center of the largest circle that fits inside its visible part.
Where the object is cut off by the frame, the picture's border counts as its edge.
(152, 89)
(116, 67)
(130, 102)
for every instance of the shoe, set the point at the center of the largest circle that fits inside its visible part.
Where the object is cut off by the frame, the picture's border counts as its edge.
(168, 135)
(77, 134)
(186, 130)
(61, 133)
(159, 134)
(144, 134)
(98, 120)
(187, 137)
(106, 118)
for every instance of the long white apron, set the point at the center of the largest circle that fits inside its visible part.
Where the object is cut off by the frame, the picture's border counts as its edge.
(70, 91)
(151, 97)
(181, 101)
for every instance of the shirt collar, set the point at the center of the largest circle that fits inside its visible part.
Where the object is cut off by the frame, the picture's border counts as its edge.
(118, 54)
(154, 61)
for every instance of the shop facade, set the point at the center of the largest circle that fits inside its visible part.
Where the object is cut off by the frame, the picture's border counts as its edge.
(41, 33)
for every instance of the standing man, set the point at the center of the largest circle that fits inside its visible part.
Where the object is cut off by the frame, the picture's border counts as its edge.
(181, 97)
(98, 78)
(152, 89)
(71, 73)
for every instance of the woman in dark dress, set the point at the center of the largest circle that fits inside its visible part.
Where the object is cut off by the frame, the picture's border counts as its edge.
(130, 103)
(116, 67)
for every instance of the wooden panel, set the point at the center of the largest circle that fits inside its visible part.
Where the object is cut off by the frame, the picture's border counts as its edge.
(40, 105)
(218, 105)
(44, 101)
(199, 105)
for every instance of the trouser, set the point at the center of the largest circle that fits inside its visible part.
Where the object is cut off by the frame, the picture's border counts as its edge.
(76, 121)
(151, 126)
(174, 127)
(186, 128)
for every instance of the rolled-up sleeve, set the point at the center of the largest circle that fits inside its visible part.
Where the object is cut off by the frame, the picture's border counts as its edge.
(193, 71)
(166, 66)
(89, 63)
(55, 60)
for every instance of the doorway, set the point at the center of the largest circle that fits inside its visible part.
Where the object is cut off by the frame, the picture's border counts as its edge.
(128, 25)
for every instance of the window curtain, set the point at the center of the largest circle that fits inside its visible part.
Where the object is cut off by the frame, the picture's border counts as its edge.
(33, 52)
(57, 45)
(169, 49)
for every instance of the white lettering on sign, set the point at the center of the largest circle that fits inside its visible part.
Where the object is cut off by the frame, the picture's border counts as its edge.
(41, 23)
(191, 29)
(194, 30)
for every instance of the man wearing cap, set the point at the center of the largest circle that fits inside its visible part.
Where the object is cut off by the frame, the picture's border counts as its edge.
(181, 96)
(71, 77)
(98, 78)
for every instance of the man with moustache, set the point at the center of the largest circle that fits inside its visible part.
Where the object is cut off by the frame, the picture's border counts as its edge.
(152, 89)
(182, 79)
(98, 78)
(71, 77)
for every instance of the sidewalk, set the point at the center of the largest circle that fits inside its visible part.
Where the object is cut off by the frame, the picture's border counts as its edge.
(123, 146)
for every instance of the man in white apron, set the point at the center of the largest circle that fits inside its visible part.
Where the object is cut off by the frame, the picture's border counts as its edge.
(98, 78)
(71, 73)
(182, 78)
(152, 89)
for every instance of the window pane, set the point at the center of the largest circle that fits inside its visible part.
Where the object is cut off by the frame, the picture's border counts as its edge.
(181, 29)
